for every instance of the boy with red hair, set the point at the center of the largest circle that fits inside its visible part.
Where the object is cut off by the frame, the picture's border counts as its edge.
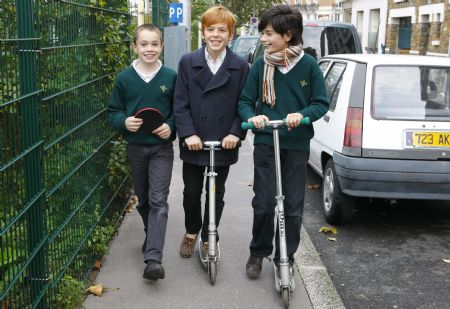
(205, 108)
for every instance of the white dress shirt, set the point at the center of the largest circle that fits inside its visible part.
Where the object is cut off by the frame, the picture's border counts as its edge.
(214, 65)
(294, 61)
(146, 77)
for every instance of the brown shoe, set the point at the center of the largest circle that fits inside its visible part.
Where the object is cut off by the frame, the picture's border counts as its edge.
(187, 246)
(254, 266)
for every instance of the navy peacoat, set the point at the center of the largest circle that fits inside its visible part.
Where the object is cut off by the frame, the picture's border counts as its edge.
(206, 104)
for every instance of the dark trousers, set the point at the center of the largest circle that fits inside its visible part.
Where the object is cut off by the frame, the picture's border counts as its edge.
(193, 178)
(293, 174)
(151, 167)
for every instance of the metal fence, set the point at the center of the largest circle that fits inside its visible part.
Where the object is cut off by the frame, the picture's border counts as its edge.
(59, 176)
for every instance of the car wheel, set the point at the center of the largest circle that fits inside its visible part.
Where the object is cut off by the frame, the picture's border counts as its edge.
(338, 207)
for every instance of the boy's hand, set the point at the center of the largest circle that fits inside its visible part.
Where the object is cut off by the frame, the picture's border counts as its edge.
(230, 142)
(163, 131)
(259, 121)
(293, 120)
(133, 124)
(194, 143)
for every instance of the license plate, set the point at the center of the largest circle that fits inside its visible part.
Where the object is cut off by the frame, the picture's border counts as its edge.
(425, 139)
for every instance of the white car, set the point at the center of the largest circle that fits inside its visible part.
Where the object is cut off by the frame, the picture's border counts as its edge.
(387, 133)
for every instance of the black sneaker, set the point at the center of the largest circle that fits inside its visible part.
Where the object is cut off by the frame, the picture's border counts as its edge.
(154, 271)
(254, 266)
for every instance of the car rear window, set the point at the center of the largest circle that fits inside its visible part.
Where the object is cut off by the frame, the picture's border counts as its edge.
(243, 45)
(411, 93)
(311, 37)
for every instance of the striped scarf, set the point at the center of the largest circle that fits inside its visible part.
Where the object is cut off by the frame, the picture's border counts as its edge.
(270, 62)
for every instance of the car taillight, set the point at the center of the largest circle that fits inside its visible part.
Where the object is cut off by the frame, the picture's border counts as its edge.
(353, 128)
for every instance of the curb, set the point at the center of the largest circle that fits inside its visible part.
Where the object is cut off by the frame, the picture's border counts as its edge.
(318, 284)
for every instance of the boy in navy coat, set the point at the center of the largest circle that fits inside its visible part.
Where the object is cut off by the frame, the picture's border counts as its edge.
(205, 108)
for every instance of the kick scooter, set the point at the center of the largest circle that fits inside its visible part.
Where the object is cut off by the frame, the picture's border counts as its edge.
(211, 261)
(283, 283)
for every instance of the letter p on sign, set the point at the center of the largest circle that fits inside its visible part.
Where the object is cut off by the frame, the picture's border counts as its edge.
(175, 13)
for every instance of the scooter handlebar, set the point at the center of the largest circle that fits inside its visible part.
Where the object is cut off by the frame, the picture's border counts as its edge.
(216, 144)
(250, 125)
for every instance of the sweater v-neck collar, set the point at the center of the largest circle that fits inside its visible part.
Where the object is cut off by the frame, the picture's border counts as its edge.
(154, 77)
(294, 68)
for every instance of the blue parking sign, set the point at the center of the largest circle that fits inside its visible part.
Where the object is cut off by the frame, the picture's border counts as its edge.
(175, 13)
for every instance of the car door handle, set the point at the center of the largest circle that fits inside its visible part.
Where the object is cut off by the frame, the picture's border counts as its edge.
(326, 118)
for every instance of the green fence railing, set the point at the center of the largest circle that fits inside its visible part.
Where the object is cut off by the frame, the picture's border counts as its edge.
(59, 179)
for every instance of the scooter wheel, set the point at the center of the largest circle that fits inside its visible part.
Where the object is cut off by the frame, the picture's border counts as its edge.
(212, 272)
(285, 294)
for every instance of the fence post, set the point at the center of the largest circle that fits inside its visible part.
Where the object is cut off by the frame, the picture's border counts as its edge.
(31, 138)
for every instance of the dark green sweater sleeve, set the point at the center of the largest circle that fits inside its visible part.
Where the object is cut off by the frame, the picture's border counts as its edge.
(249, 94)
(116, 107)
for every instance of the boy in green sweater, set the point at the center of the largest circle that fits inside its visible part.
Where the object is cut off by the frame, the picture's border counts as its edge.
(147, 83)
(284, 84)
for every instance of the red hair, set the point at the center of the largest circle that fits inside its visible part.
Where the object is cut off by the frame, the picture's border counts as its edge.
(218, 14)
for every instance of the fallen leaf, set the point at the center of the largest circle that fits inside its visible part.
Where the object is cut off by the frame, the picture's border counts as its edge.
(96, 290)
(332, 239)
(131, 203)
(326, 229)
(446, 261)
(313, 187)
(98, 264)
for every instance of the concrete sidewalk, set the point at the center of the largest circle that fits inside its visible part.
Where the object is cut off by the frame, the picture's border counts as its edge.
(187, 284)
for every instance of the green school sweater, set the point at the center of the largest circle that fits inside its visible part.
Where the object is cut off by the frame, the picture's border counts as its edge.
(300, 90)
(131, 93)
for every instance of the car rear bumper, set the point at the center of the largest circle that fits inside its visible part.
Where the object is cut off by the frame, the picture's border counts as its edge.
(396, 179)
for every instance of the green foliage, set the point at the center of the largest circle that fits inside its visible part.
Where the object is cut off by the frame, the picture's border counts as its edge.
(117, 33)
(11, 262)
(118, 165)
(79, 47)
(98, 244)
(199, 7)
(70, 293)
(242, 9)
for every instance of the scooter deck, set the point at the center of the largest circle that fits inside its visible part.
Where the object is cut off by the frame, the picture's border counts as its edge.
(278, 280)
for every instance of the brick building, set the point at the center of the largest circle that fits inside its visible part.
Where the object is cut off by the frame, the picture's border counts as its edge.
(319, 9)
(418, 27)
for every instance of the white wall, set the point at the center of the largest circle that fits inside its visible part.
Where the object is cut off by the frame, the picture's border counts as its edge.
(366, 6)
